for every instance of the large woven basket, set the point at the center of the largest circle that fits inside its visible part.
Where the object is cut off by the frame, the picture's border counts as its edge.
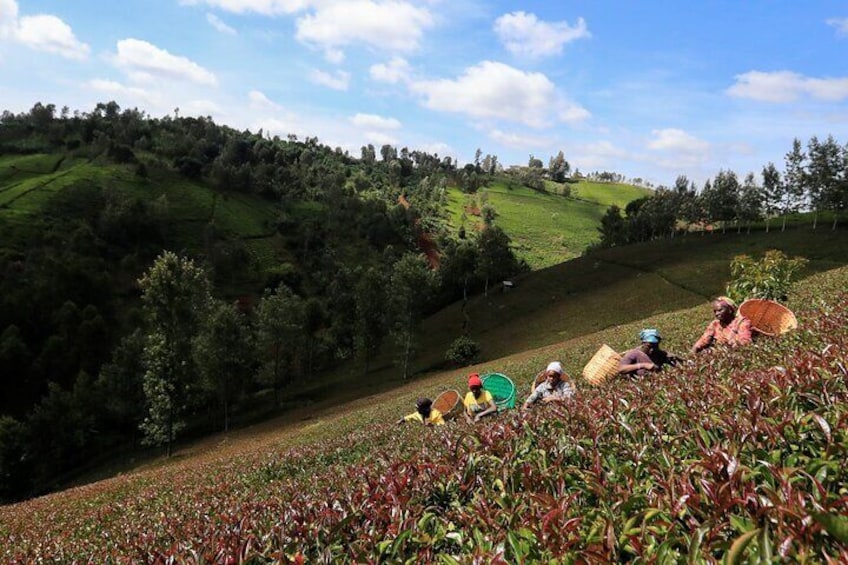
(448, 403)
(502, 389)
(603, 365)
(768, 317)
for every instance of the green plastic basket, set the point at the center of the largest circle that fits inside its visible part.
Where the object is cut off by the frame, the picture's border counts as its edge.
(502, 389)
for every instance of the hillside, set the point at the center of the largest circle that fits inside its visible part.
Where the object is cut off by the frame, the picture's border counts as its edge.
(602, 290)
(738, 456)
(546, 228)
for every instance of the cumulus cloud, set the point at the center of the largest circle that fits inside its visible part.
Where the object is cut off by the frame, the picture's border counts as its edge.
(673, 139)
(525, 34)
(144, 61)
(127, 95)
(518, 140)
(380, 138)
(841, 25)
(374, 121)
(394, 71)
(8, 18)
(264, 7)
(49, 33)
(42, 32)
(787, 86)
(338, 81)
(496, 90)
(392, 25)
(676, 148)
(259, 101)
(218, 24)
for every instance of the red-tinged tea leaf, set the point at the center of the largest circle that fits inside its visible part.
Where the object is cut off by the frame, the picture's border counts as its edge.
(825, 427)
(834, 524)
(785, 546)
(737, 550)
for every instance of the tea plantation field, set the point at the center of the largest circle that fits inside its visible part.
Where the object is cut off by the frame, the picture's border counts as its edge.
(735, 456)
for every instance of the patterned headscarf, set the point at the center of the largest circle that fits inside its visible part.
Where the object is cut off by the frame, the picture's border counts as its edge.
(650, 335)
(726, 300)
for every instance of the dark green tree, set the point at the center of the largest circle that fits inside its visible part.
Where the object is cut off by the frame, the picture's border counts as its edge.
(175, 298)
(224, 357)
(280, 318)
(411, 285)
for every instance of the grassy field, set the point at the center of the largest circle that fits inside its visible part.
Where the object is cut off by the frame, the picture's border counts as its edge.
(545, 228)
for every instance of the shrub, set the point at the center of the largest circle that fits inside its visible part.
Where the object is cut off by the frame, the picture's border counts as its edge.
(769, 277)
(463, 351)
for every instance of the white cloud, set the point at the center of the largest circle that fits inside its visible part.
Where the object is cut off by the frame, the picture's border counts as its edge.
(49, 33)
(218, 24)
(127, 95)
(137, 56)
(201, 108)
(42, 32)
(380, 138)
(673, 139)
(374, 121)
(787, 86)
(339, 81)
(437, 148)
(333, 55)
(8, 18)
(259, 101)
(518, 140)
(264, 7)
(841, 25)
(495, 90)
(675, 149)
(389, 25)
(396, 70)
(525, 34)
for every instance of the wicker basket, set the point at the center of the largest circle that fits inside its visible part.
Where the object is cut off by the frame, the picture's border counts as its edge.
(602, 365)
(448, 403)
(768, 317)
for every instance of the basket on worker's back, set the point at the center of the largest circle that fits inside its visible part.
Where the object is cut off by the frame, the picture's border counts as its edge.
(603, 365)
(502, 389)
(768, 317)
(448, 403)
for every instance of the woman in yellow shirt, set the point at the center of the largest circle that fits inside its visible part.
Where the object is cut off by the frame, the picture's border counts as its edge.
(478, 402)
(424, 414)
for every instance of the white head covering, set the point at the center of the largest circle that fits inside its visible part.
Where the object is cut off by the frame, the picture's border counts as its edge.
(555, 367)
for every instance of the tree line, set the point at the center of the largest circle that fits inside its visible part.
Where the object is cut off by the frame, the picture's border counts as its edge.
(814, 180)
(90, 363)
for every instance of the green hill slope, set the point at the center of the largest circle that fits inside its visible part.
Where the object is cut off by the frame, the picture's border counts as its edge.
(736, 457)
(602, 290)
(546, 228)
(79, 187)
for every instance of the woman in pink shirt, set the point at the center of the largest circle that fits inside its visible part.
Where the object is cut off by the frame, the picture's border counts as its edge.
(727, 328)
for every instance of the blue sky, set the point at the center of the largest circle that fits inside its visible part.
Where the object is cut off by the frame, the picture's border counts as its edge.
(649, 89)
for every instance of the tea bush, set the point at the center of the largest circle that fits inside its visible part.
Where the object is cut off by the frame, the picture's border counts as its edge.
(463, 351)
(770, 277)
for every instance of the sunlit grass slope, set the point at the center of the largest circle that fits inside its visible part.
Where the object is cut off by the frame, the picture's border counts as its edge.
(546, 228)
(28, 183)
(736, 457)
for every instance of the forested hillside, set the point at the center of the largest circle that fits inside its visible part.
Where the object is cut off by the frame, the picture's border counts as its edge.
(290, 246)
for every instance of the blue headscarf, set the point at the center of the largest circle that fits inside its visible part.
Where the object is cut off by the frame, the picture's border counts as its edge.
(650, 336)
